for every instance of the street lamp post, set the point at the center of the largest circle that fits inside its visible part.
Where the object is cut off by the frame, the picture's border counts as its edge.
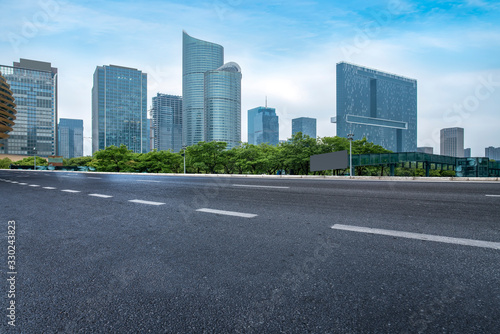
(350, 138)
(184, 155)
(34, 156)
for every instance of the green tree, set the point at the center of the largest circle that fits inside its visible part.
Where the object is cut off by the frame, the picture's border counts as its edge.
(206, 156)
(159, 162)
(30, 161)
(79, 161)
(114, 159)
(5, 163)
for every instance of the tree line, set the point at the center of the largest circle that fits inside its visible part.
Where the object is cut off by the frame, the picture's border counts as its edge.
(290, 157)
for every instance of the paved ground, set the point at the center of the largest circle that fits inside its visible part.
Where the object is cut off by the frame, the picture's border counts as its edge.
(90, 263)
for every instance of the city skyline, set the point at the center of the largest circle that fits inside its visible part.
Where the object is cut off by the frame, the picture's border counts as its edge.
(293, 63)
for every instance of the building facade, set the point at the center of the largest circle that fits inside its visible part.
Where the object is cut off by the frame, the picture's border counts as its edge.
(452, 142)
(166, 116)
(222, 106)
(493, 153)
(263, 126)
(70, 138)
(467, 153)
(7, 110)
(426, 149)
(306, 125)
(119, 108)
(198, 57)
(34, 88)
(377, 105)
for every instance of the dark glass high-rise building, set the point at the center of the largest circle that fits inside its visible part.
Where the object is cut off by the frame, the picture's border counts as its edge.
(119, 108)
(377, 105)
(167, 122)
(306, 125)
(34, 88)
(198, 57)
(223, 105)
(263, 126)
(70, 137)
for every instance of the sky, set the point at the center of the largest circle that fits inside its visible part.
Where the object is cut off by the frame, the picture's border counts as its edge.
(288, 51)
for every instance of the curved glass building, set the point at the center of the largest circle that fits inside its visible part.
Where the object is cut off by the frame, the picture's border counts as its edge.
(7, 109)
(223, 104)
(198, 57)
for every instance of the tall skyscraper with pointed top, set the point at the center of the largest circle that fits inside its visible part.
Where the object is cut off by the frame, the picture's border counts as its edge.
(211, 93)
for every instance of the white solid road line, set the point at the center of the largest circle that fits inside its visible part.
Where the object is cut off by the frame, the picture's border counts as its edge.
(94, 178)
(101, 196)
(419, 236)
(228, 213)
(145, 202)
(256, 186)
(50, 188)
(148, 181)
(71, 191)
(492, 195)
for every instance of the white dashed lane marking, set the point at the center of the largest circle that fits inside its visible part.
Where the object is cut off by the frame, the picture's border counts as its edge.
(228, 213)
(256, 186)
(419, 236)
(34, 185)
(145, 202)
(49, 188)
(71, 191)
(100, 195)
(492, 195)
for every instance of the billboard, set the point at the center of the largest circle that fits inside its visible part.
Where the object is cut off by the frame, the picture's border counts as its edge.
(329, 161)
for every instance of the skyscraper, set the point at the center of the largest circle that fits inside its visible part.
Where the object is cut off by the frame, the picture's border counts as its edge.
(492, 153)
(223, 104)
(452, 142)
(377, 105)
(263, 126)
(306, 125)
(198, 57)
(34, 87)
(119, 108)
(70, 137)
(167, 122)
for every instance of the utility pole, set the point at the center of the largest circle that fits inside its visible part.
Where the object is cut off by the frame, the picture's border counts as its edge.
(350, 138)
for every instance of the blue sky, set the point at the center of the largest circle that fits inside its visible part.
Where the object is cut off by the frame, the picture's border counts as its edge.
(287, 50)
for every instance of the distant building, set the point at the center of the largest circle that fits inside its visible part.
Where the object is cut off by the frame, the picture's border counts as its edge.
(119, 108)
(493, 153)
(426, 149)
(34, 87)
(452, 142)
(263, 126)
(377, 105)
(223, 105)
(306, 125)
(7, 110)
(70, 138)
(167, 122)
(467, 153)
(151, 128)
(198, 57)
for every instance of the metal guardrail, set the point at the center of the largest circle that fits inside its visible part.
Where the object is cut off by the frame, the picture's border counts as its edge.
(62, 168)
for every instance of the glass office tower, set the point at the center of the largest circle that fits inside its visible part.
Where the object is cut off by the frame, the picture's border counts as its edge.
(119, 108)
(167, 122)
(70, 138)
(306, 125)
(34, 87)
(452, 142)
(223, 105)
(198, 57)
(379, 106)
(263, 126)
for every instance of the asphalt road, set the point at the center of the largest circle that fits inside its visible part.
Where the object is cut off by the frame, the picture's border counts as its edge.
(101, 253)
